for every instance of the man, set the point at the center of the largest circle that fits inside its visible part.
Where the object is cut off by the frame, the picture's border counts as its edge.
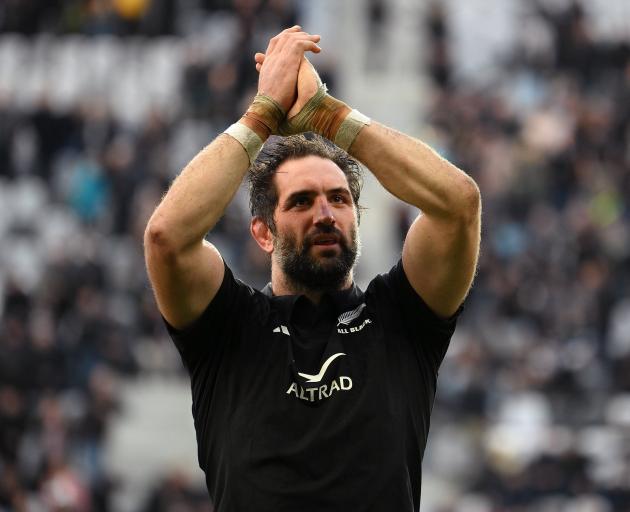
(312, 395)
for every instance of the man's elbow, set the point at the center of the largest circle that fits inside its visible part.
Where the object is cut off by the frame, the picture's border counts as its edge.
(159, 241)
(468, 201)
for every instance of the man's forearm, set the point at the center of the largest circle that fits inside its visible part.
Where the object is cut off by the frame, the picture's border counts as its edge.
(185, 272)
(415, 173)
(406, 167)
(199, 195)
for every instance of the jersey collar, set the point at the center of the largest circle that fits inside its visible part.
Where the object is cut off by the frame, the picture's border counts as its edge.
(341, 299)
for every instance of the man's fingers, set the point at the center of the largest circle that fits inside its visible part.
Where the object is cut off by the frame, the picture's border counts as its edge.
(279, 65)
(305, 36)
(273, 42)
(259, 57)
(308, 46)
(289, 36)
(292, 38)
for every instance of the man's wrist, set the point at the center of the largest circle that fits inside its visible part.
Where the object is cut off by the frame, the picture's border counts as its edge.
(328, 117)
(262, 119)
(353, 123)
(263, 116)
(248, 138)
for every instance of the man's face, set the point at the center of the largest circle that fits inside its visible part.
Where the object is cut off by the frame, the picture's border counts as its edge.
(316, 241)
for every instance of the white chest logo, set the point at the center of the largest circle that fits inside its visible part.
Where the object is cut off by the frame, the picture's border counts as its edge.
(316, 391)
(322, 371)
(350, 316)
(347, 317)
(283, 329)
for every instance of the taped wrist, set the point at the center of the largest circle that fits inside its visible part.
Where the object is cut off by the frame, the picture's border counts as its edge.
(328, 117)
(263, 116)
(261, 120)
(248, 138)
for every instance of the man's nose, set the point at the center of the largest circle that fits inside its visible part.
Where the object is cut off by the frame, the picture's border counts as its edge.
(324, 213)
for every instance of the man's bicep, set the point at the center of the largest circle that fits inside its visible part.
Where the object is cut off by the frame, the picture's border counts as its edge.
(185, 284)
(439, 260)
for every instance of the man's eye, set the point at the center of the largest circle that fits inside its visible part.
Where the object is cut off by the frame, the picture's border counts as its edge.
(300, 201)
(338, 198)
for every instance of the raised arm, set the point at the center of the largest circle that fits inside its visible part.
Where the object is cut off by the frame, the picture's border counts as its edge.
(185, 270)
(442, 246)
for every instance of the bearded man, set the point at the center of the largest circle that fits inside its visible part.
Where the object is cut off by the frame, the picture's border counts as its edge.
(312, 395)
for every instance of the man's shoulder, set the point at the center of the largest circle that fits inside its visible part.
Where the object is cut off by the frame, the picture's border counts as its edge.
(387, 282)
(242, 291)
(235, 301)
(394, 292)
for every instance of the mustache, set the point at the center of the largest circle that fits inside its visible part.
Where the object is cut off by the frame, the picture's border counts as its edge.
(324, 230)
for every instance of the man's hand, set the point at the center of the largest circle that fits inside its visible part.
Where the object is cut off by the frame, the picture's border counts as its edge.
(279, 66)
(308, 82)
(314, 110)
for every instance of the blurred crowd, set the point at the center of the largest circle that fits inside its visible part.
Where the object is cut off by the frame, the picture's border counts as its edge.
(538, 375)
(533, 412)
(77, 186)
(90, 17)
(108, 17)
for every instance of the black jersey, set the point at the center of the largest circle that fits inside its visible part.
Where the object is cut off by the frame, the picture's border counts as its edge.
(304, 407)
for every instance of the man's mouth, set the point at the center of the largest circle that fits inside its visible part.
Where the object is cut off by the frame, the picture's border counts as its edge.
(325, 240)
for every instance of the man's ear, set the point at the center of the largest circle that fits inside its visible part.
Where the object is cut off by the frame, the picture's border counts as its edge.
(262, 234)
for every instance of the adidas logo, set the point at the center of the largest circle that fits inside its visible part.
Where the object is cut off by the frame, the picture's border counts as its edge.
(283, 329)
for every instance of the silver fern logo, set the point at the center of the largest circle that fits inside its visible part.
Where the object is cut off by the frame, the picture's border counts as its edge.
(349, 316)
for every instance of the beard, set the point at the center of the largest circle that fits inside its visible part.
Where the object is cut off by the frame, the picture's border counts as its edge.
(328, 271)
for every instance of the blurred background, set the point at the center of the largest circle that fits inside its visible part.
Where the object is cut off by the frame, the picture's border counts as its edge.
(102, 102)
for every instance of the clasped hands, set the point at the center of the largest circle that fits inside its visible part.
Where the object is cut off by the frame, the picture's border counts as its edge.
(285, 73)
(290, 80)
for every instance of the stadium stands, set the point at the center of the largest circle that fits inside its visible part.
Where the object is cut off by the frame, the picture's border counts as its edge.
(101, 104)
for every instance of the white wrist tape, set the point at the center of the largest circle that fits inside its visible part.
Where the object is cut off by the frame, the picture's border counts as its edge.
(350, 128)
(248, 138)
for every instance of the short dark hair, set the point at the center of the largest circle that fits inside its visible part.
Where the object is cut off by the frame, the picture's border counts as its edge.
(263, 196)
